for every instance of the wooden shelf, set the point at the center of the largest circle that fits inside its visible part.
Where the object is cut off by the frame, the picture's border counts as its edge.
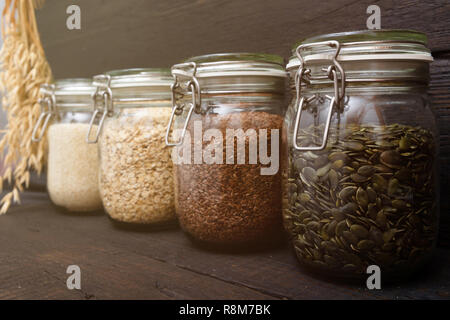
(38, 242)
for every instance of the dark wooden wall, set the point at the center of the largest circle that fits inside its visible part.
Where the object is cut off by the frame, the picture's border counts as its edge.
(158, 33)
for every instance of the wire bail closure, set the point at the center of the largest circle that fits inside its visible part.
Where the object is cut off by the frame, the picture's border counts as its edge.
(48, 109)
(103, 104)
(304, 75)
(193, 87)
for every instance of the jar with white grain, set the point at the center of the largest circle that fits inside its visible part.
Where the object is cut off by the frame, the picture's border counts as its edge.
(72, 173)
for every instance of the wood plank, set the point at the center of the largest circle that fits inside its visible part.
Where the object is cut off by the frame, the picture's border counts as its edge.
(142, 33)
(273, 272)
(33, 261)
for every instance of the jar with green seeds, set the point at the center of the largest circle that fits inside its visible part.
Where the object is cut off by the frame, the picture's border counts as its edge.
(360, 186)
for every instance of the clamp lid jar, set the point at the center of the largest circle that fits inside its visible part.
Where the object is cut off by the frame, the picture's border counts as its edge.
(72, 171)
(133, 107)
(360, 186)
(225, 106)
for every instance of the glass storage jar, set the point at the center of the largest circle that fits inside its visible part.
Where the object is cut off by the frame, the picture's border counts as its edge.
(360, 186)
(136, 182)
(72, 170)
(230, 105)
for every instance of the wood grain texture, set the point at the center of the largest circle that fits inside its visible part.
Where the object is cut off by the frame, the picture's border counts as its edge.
(154, 33)
(440, 100)
(39, 241)
(34, 258)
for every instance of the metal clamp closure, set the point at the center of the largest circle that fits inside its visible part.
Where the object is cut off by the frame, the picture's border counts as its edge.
(48, 109)
(304, 76)
(103, 104)
(193, 87)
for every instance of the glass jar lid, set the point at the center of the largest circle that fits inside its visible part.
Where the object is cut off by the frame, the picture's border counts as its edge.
(207, 76)
(129, 86)
(65, 95)
(140, 77)
(237, 64)
(368, 55)
(69, 94)
(233, 72)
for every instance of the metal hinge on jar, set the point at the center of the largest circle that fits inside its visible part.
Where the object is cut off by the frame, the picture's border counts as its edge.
(103, 104)
(48, 109)
(304, 76)
(193, 87)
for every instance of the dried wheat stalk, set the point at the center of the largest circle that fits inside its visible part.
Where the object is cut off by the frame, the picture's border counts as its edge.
(23, 69)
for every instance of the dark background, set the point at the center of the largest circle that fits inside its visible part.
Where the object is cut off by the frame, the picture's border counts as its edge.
(159, 33)
(119, 34)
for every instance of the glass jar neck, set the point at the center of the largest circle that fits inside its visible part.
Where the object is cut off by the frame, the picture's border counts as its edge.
(362, 57)
(139, 96)
(361, 88)
(240, 102)
(125, 105)
(132, 88)
(68, 95)
(365, 71)
(241, 85)
(72, 116)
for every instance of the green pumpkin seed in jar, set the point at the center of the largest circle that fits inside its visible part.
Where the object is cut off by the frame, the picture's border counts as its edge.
(371, 195)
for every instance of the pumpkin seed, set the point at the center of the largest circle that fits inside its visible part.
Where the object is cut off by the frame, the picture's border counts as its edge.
(347, 193)
(359, 178)
(367, 198)
(404, 144)
(362, 197)
(354, 146)
(338, 164)
(359, 231)
(365, 245)
(324, 170)
(390, 159)
(308, 175)
(366, 170)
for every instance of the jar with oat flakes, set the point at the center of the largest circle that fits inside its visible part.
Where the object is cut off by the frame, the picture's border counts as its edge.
(361, 187)
(227, 114)
(133, 107)
(72, 171)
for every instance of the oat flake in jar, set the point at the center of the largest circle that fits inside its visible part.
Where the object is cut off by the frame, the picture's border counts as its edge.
(227, 179)
(361, 186)
(133, 107)
(72, 170)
